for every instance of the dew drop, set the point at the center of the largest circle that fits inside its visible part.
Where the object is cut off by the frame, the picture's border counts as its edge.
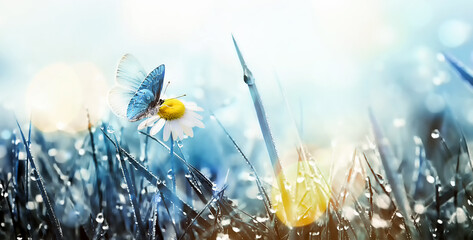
(300, 179)
(33, 175)
(30, 205)
(225, 222)
(419, 208)
(105, 227)
(52, 152)
(430, 179)
(81, 151)
(99, 218)
(170, 174)
(235, 229)
(261, 219)
(435, 134)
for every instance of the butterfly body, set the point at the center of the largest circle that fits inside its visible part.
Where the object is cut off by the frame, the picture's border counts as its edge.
(136, 95)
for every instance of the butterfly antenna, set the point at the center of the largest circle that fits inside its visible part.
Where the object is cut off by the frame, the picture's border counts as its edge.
(166, 88)
(183, 95)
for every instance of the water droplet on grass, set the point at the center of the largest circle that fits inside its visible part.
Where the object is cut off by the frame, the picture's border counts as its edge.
(300, 179)
(105, 227)
(52, 152)
(430, 179)
(225, 222)
(435, 134)
(419, 208)
(99, 218)
(33, 175)
(38, 198)
(30, 205)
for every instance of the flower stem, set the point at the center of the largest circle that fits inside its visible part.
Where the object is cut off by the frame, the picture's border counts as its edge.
(173, 176)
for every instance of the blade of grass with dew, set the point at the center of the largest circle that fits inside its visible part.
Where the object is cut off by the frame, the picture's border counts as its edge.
(169, 214)
(376, 176)
(264, 125)
(465, 72)
(161, 187)
(206, 183)
(49, 209)
(266, 201)
(96, 164)
(131, 193)
(201, 212)
(26, 163)
(387, 158)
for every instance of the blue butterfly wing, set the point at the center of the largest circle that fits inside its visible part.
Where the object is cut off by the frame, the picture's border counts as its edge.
(154, 81)
(138, 106)
(130, 75)
(148, 93)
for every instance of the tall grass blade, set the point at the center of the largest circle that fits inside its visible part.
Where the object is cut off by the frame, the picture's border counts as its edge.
(264, 125)
(465, 72)
(131, 193)
(387, 159)
(266, 201)
(39, 181)
(166, 193)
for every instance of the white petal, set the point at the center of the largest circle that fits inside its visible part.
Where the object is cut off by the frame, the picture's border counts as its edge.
(198, 123)
(192, 106)
(176, 130)
(187, 130)
(192, 122)
(143, 124)
(166, 131)
(194, 115)
(172, 130)
(152, 120)
(181, 132)
(157, 127)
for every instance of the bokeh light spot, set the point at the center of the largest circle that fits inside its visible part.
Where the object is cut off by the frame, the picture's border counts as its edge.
(59, 96)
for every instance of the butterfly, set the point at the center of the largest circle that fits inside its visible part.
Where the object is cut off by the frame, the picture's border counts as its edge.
(136, 95)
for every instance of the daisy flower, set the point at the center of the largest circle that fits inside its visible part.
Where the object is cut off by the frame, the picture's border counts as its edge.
(176, 117)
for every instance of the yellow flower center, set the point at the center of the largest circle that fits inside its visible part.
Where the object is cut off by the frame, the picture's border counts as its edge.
(172, 109)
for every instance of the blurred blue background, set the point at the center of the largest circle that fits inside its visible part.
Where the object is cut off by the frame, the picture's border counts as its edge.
(333, 60)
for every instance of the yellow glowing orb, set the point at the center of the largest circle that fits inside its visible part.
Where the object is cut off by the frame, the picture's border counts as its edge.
(332, 174)
(307, 195)
(59, 96)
